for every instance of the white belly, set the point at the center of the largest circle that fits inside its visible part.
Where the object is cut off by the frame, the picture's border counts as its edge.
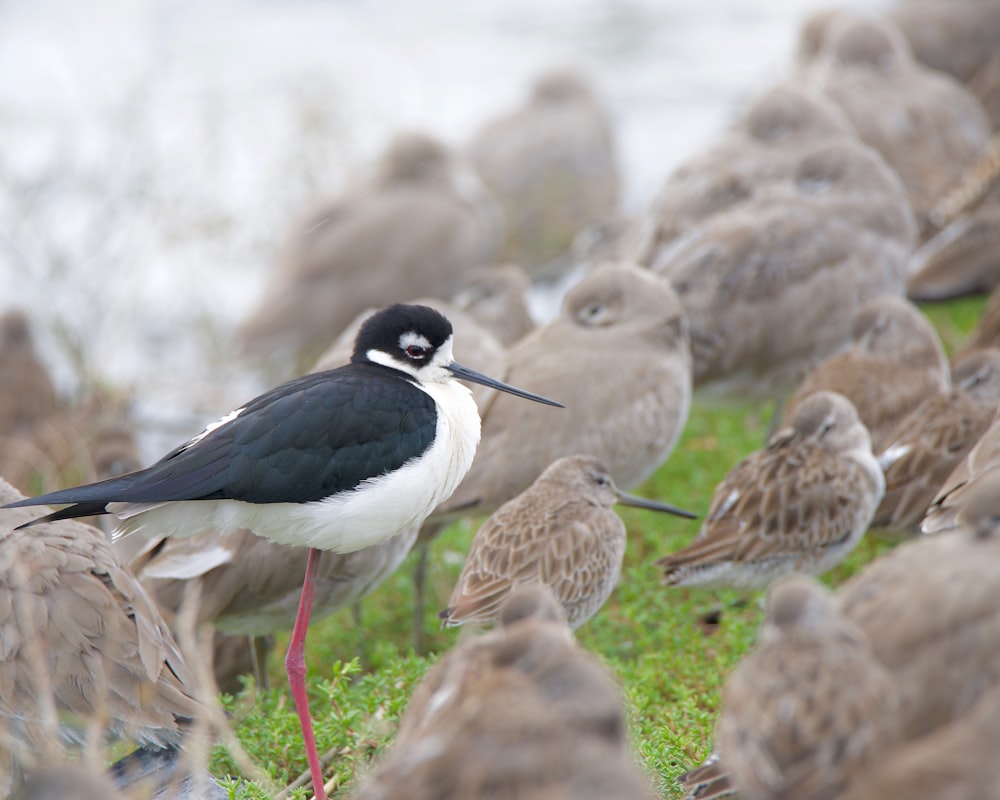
(377, 509)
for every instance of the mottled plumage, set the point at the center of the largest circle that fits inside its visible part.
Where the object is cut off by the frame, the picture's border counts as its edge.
(809, 707)
(80, 640)
(561, 531)
(894, 363)
(521, 713)
(799, 505)
(929, 609)
(929, 442)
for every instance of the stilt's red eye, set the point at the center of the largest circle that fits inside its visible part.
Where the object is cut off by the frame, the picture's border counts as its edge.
(416, 351)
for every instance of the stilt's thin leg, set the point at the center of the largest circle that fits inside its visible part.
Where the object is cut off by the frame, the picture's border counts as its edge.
(419, 586)
(295, 666)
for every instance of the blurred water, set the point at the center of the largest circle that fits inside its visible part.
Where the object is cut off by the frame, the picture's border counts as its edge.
(153, 153)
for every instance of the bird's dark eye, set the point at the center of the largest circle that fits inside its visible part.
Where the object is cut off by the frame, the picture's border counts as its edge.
(416, 351)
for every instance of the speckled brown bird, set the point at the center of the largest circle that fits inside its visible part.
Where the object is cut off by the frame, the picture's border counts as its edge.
(893, 364)
(82, 642)
(929, 609)
(417, 227)
(521, 712)
(562, 532)
(497, 298)
(799, 505)
(810, 706)
(929, 442)
(552, 165)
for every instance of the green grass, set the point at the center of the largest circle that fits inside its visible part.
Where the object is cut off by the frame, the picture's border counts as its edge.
(670, 663)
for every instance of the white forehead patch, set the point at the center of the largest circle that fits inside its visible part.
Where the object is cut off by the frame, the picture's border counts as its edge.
(411, 338)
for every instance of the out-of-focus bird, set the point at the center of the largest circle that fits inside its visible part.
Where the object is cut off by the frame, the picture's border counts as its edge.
(521, 712)
(552, 165)
(562, 532)
(943, 513)
(893, 364)
(28, 393)
(799, 505)
(497, 298)
(82, 643)
(929, 609)
(772, 286)
(416, 229)
(337, 460)
(931, 440)
(620, 315)
(810, 707)
(957, 761)
(925, 124)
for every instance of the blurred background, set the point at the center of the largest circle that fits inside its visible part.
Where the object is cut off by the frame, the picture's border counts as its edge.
(155, 152)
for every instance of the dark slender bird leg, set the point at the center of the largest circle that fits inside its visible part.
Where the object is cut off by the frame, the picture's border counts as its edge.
(295, 666)
(260, 648)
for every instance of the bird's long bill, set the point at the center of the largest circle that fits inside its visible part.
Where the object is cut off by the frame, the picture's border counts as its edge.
(471, 375)
(653, 505)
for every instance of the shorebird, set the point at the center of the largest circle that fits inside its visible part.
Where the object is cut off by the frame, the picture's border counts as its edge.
(957, 761)
(799, 505)
(421, 223)
(520, 712)
(83, 644)
(497, 298)
(925, 124)
(551, 165)
(561, 532)
(337, 460)
(810, 706)
(893, 364)
(943, 512)
(929, 609)
(29, 394)
(931, 440)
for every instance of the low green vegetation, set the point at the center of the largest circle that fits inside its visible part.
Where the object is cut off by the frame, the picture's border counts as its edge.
(671, 649)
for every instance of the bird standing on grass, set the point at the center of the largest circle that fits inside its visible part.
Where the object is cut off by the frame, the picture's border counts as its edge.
(336, 460)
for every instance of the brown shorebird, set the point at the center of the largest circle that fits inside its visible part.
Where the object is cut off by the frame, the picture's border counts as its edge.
(943, 513)
(810, 706)
(930, 442)
(82, 643)
(552, 166)
(497, 298)
(894, 363)
(799, 505)
(929, 609)
(562, 532)
(866, 67)
(957, 761)
(415, 230)
(28, 394)
(520, 712)
(987, 330)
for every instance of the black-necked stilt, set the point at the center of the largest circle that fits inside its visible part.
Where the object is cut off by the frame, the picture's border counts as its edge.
(335, 460)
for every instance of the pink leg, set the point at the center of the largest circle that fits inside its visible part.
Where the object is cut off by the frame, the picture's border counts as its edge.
(295, 666)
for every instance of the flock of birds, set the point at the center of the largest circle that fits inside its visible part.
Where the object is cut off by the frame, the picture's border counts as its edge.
(781, 262)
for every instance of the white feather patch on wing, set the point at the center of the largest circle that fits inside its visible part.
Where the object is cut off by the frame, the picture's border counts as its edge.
(892, 454)
(184, 566)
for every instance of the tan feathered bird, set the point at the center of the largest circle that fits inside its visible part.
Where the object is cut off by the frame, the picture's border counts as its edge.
(81, 642)
(810, 706)
(562, 532)
(930, 442)
(893, 364)
(799, 505)
(28, 393)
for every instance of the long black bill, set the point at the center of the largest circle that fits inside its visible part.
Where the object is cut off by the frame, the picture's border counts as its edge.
(472, 376)
(653, 505)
